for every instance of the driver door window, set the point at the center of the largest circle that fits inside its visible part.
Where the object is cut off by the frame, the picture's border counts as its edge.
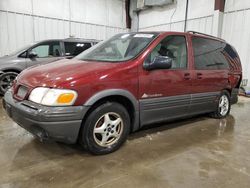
(173, 47)
(47, 50)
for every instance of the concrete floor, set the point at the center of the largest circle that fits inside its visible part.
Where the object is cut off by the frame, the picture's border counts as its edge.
(199, 152)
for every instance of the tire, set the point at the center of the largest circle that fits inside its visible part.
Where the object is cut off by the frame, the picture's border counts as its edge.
(223, 106)
(105, 129)
(6, 80)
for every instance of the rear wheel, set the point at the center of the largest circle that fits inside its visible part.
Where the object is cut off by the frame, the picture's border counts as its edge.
(106, 128)
(223, 106)
(6, 81)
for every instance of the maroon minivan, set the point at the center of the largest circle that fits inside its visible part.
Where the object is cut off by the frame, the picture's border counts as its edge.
(123, 84)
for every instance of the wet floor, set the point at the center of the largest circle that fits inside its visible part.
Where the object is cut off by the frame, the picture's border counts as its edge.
(199, 152)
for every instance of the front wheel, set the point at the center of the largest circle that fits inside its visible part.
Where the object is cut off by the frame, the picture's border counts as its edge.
(105, 129)
(223, 106)
(6, 81)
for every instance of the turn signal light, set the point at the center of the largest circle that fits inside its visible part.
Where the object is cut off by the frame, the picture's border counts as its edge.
(65, 98)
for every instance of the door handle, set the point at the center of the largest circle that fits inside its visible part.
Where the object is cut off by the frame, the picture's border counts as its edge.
(199, 75)
(187, 76)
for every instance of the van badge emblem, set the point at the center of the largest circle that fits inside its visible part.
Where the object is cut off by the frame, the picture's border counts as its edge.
(151, 95)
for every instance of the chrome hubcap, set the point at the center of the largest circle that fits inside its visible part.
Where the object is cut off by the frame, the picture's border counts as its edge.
(108, 129)
(223, 105)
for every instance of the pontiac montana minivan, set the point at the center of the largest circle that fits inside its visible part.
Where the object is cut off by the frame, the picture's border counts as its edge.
(123, 84)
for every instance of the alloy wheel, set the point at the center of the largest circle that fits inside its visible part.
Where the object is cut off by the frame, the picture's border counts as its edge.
(223, 105)
(7, 81)
(108, 129)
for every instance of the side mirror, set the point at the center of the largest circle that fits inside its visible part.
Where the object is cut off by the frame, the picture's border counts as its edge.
(159, 62)
(32, 54)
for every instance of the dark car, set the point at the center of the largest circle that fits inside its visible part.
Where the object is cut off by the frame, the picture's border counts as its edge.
(42, 52)
(123, 84)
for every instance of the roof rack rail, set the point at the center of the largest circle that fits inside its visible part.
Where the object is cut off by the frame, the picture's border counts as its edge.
(199, 33)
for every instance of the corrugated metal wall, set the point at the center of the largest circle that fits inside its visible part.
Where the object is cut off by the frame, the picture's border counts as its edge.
(171, 18)
(202, 24)
(25, 21)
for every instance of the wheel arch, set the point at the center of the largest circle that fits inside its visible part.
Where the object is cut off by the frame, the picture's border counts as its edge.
(117, 95)
(229, 90)
(11, 70)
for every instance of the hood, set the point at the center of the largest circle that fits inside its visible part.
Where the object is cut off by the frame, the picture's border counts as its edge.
(62, 72)
(7, 62)
(6, 58)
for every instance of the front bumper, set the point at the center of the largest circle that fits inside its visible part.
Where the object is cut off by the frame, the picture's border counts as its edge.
(47, 123)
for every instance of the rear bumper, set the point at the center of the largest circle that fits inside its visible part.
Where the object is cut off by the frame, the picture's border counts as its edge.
(47, 123)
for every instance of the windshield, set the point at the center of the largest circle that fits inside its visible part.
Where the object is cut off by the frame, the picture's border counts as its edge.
(121, 47)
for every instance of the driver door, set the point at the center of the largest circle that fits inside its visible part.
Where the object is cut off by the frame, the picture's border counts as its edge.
(165, 93)
(46, 52)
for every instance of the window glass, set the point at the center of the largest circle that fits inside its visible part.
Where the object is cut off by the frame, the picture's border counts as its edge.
(173, 47)
(75, 48)
(230, 51)
(209, 54)
(120, 47)
(23, 55)
(51, 49)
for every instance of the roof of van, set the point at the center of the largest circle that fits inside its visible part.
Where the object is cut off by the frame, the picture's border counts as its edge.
(193, 33)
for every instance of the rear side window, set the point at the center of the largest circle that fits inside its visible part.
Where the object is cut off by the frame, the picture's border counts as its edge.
(75, 48)
(209, 54)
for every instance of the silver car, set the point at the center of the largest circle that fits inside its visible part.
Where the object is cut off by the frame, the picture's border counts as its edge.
(42, 52)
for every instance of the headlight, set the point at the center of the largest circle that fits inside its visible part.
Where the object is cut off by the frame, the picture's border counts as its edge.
(53, 97)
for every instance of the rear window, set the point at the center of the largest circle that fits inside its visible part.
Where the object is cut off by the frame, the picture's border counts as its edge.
(75, 48)
(209, 54)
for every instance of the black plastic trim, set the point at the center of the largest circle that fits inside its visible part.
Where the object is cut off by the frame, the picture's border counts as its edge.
(163, 108)
(117, 92)
(203, 102)
(56, 123)
(168, 108)
(234, 96)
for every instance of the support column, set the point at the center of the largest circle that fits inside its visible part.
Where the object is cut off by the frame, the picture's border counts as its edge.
(217, 23)
(134, 16)
(218, 17)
